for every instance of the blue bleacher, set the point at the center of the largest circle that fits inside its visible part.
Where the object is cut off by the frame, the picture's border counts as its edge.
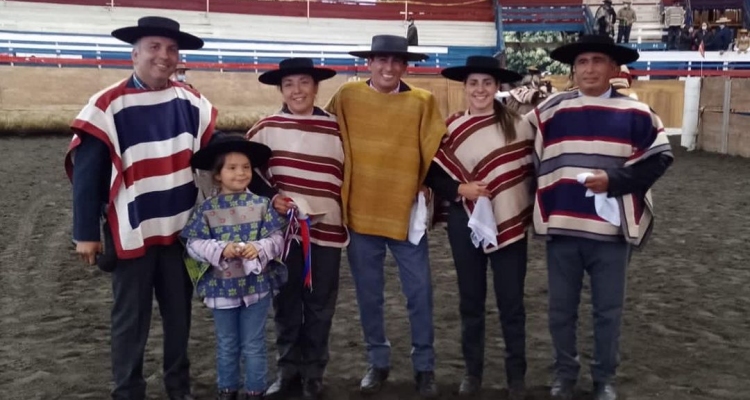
(258, 52)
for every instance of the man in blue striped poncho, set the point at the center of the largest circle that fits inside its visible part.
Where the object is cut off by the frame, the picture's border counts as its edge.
(597, 154)
(129, 162)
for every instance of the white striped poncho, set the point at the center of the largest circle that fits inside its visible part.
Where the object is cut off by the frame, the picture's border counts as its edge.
(476, 150)
(307, 161)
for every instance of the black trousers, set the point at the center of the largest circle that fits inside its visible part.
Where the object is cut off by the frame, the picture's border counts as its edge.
(509, 274)
(160, 271)
(623, 34)
(303, 317)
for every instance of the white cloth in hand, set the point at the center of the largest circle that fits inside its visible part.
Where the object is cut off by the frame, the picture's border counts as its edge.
(606, 207)
(418, 219)
(482, 224)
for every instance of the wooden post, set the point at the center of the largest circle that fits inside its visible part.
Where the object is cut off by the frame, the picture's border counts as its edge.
(208, 7)
(725, 115)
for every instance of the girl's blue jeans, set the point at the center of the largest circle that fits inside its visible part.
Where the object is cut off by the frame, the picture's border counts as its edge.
(240, 334)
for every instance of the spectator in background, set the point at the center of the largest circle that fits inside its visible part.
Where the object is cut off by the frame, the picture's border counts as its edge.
(743, 41)
(704, 36)
(412, 35)
(605, 19)
(687, 37)
(180, 74)
(626, 17)
(724, 36)
(674, 19)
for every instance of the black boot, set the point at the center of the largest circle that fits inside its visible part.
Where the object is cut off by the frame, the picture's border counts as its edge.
(373, 380)
(562, 389)
(517, 390)
(470, 386)
(227, 394)
(284, 386)
(312, 389)
(604, 391)
(426, 385)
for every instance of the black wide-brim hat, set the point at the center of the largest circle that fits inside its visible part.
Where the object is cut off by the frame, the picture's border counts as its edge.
(481, 65)
(223, 143)
(158, 26)
(594, 44)
(295, 66)
(390, 45)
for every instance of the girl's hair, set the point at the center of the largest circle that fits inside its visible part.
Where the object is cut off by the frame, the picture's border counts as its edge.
(504, 116)
(218, 166)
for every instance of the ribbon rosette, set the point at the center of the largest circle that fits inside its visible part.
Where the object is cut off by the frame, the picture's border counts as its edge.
(299, 225)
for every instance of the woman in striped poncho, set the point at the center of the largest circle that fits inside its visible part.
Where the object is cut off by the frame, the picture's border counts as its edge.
(487, 153)
(303, 178)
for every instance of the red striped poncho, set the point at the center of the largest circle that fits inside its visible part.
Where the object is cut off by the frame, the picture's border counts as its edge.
(476, 150)
(307, 162)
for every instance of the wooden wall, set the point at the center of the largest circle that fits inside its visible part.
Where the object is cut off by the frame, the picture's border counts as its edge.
(665, 97)
(712, 136)
(37, 98)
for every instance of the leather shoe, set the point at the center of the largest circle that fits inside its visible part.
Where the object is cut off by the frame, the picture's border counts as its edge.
(604, 391)
(373, 380)
(181, 397)
(227, 394)
(562, 389)
(426, 385)
(470, 386)
(283, 386)
(312, 389)
(517, 391)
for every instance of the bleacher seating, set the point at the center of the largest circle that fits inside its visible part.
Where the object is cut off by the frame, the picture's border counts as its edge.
(648, 28)
(556, 18)
(86, 46)
(44, 17)
(54, 30)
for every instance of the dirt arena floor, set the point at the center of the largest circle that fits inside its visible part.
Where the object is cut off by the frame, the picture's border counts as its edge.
(686, 332)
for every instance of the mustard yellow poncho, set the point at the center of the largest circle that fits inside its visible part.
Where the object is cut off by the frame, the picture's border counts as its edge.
(389, 143)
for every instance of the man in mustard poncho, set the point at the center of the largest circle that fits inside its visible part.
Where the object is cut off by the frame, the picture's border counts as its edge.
(391, 132)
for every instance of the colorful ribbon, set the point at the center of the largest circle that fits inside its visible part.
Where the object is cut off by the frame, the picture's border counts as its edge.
(299, 226)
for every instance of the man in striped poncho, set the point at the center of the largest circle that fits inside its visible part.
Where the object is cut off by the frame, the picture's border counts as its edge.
(596, 151)
(129, 161)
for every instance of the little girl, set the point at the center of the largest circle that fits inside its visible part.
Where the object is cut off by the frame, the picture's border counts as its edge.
(233, 239)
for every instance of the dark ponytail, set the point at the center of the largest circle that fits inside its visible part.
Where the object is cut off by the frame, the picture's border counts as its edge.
(506, 118)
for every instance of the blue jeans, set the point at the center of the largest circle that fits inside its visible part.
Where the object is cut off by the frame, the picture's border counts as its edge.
(241, 332)
(366, 255)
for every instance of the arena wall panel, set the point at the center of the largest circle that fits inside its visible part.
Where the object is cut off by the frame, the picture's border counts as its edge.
(442, 10)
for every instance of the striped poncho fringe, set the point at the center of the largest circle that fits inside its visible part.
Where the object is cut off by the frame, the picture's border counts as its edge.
(476, 150)
(151, 136)
(580, 134)
(307, 162)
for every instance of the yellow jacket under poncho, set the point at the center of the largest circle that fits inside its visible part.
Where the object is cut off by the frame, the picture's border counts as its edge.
(389, 142)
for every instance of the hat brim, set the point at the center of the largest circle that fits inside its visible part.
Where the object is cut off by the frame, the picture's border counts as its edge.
(275, 76)
(409, 56)
(461, 73)
(185, 41)
(205, 158)
(567, 54)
